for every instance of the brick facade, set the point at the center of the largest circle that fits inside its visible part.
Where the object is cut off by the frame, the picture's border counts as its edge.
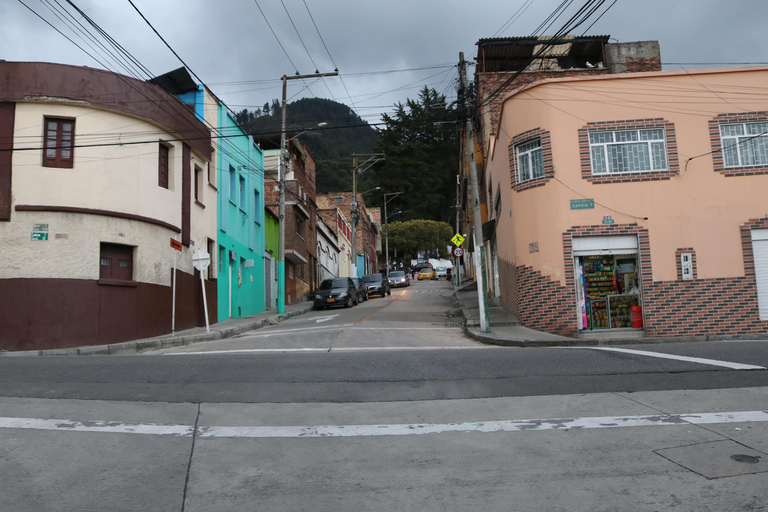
(546, 151)
(696, 308)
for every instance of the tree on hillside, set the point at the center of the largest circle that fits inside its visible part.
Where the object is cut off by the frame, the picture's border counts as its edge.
(412, 236)
(331, 146)
(421, 145)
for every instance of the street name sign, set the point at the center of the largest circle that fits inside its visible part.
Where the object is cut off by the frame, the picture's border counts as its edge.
(582, 204)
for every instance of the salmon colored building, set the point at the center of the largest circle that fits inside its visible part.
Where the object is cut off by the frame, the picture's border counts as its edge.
(634, 202)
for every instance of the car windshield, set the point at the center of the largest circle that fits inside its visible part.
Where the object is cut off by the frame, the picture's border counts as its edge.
(428, 270)
(397, 273)
(441, 269)
(373, 278)
(333, 283)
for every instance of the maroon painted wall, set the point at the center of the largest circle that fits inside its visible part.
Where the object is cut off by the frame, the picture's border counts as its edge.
(40, 314)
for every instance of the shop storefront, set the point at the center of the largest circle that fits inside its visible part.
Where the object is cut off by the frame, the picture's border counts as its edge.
(607, 283)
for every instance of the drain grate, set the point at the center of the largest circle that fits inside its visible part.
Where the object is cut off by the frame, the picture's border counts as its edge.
(746, 459)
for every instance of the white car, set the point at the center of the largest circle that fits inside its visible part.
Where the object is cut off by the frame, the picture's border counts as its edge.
(441, 272)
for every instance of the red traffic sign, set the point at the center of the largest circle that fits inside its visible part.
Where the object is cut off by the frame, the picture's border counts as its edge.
(175, 244)
(458, 252)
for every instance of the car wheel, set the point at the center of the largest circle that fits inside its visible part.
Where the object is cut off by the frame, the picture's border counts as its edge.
(389, 292)
(349, 303)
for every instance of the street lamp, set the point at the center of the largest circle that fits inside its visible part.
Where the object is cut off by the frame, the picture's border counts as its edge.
(372, 159)
(386, 225)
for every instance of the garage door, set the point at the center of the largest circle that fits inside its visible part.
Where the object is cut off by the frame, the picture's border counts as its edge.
(760, 251)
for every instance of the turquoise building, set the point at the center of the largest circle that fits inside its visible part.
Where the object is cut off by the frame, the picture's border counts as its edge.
(239, 167)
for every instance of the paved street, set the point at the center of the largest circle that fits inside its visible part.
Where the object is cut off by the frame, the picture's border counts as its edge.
(387, 406)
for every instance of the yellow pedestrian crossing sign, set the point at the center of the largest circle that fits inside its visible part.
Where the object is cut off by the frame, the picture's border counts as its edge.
(457, 240)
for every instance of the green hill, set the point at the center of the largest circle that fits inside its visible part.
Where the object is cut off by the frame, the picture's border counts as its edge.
(331, 146)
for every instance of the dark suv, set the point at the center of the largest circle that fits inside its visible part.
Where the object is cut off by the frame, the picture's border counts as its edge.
(377, 284)
(424, 264)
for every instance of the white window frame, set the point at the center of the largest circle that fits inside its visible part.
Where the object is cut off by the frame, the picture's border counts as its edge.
(624, 139)
(746, 142)
(530, 152)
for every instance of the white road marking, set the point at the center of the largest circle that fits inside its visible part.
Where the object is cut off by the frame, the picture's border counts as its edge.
(325, 318)
(406, 328)
(404, 429)
(112, 427)
(267, 334)
(245, 351)
(320, 349)
(713, 362)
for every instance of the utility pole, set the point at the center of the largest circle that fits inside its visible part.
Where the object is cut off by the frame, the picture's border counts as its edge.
(458, 226)
(372, 159)
(478, 220)
(281, 190)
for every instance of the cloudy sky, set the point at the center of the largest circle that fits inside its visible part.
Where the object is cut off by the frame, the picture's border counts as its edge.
(384, 51)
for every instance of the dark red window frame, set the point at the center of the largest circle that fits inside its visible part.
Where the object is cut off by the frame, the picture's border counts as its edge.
(116, 262)
(58, 142)
(163, 166)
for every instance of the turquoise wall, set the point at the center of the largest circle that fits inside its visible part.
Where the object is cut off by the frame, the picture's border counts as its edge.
(241, 220)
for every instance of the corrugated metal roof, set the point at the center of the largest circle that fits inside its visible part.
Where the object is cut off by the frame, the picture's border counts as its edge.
(516, 53)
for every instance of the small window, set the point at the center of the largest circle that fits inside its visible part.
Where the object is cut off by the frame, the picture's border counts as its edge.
(198, 185)
(745, 144)
(211, 247)
(530, 160)
(116, 262)
(58, 143)
(300, 226)
(232, 184)
(222, 257)
(257, 207)
(243, 199)
(339, 200)
(163, 166)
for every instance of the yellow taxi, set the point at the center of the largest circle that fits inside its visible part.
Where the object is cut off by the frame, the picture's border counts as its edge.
(426, 273)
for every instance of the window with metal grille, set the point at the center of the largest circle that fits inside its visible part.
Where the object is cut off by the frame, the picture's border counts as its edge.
(58, 142)
(744, 144)
(530, 160)
(628, 151)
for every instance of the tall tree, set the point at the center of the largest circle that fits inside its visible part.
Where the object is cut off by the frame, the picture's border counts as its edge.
(421, 148)
(413, 236)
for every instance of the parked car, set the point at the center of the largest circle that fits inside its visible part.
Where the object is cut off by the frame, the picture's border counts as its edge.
(426, 273)
(339, 291)
(398, 278)
(441, 272)
(377, 284)
(362, 292)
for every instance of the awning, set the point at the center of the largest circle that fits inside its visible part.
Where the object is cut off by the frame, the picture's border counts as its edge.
(293, 256)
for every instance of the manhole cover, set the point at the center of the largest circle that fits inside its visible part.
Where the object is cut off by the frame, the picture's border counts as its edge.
(746, 459)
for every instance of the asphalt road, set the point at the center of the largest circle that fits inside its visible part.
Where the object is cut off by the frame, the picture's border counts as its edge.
(402, 347)
(387, 406)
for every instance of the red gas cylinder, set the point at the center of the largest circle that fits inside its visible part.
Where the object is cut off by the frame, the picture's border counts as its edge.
(636, 315)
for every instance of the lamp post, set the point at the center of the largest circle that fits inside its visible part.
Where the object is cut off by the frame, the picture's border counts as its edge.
(372, 159)
(281, 191)
(386, 225)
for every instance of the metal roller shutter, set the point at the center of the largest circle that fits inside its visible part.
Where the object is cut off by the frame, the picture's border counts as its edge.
(760, 251)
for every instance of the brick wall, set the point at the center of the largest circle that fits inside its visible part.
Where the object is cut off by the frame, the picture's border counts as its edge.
(701, 307)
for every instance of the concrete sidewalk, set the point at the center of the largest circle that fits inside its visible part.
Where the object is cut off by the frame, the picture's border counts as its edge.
(506, 329)
(218, 331)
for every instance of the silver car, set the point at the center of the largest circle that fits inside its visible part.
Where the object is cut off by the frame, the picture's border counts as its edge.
(441, 272)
